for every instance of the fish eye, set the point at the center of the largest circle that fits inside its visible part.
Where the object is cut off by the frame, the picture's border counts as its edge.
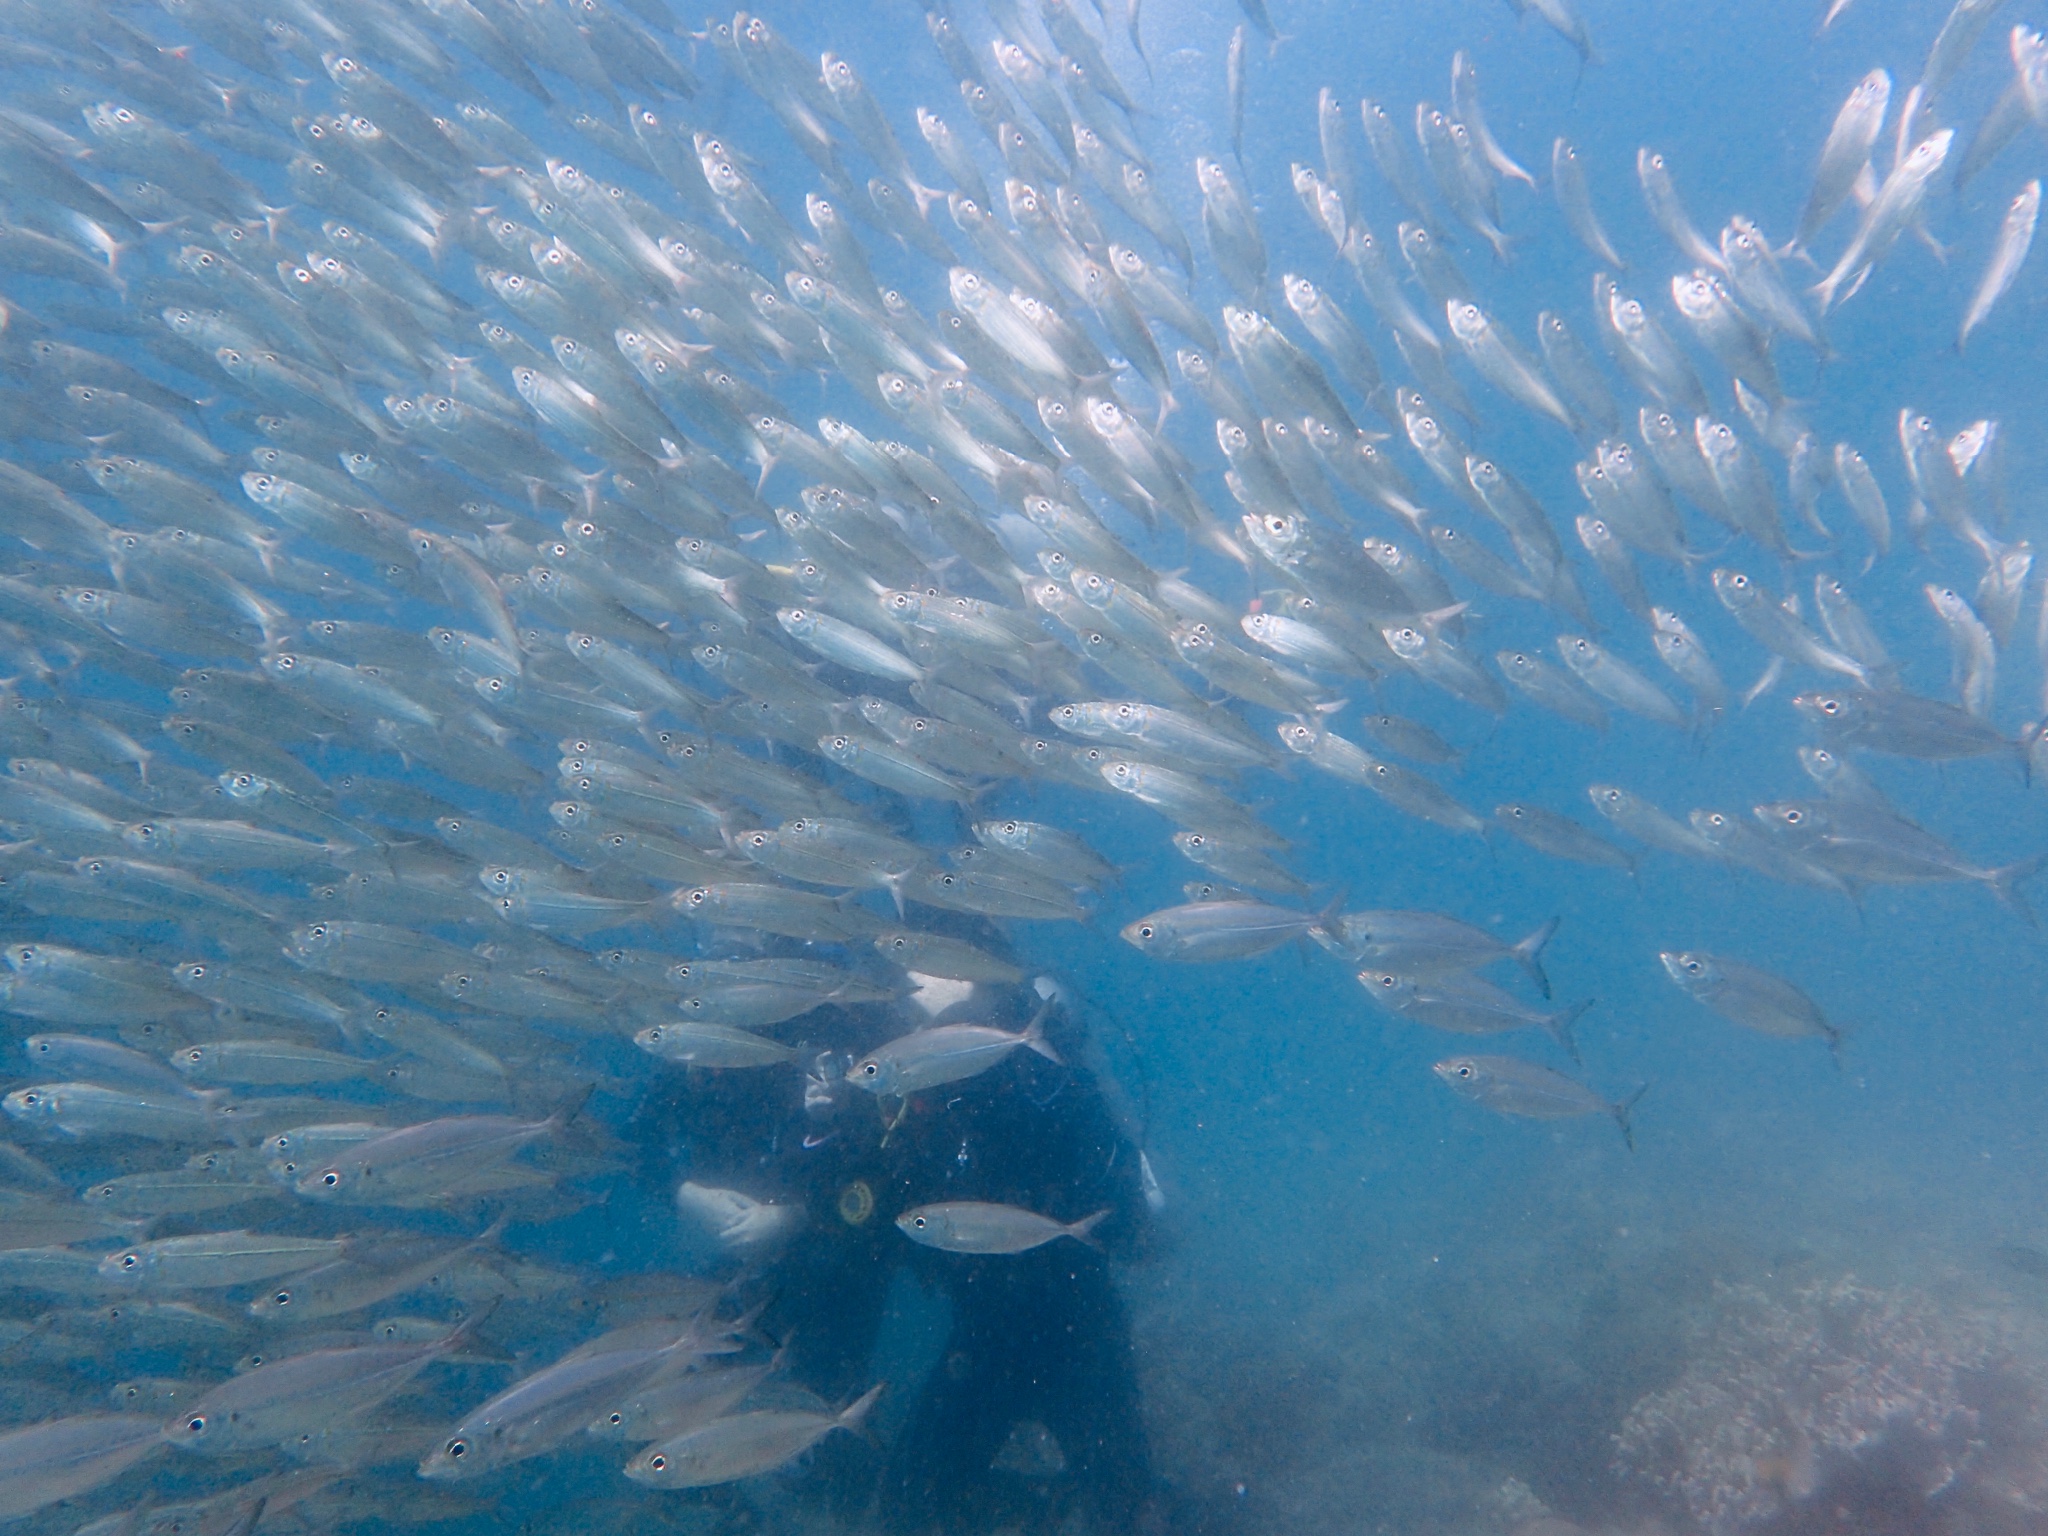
(870, 1069)
(282, 1298)
(196, 1424)
(130, 1260)
(658, 1464)
(330, 1179)
(1145, 930)
(1464, 1071)
(457, 1448)
(919, 1222)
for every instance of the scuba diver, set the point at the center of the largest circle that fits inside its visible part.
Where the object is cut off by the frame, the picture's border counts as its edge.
(1036, 1339)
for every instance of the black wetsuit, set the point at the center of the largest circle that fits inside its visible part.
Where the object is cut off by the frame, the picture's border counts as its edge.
(1038, 1336)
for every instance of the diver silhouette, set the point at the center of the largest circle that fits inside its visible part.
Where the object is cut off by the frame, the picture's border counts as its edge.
(1031, 1411)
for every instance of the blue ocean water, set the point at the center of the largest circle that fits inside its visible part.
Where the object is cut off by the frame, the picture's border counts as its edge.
(1359, 1300)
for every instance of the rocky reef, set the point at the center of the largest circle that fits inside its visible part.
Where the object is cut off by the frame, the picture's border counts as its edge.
(1838, 1406)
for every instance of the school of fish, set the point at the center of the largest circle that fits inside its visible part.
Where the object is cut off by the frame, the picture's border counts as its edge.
(454, 669)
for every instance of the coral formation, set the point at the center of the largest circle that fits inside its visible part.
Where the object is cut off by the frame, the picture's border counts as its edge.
(1835, 1402)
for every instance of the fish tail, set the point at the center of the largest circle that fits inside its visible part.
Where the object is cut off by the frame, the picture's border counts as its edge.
(1622, 1113)
(570, 1107)
(1085, 1227)
(1148, 1181)
(894, 883)
(1560, 1025)
(2004, 883)
(1529, 956)
(247, 1521)
(744, 1324)
(855, 1413)
(466, 1329)
(1034, 1034)
(1330, 920)
(1765, 682)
